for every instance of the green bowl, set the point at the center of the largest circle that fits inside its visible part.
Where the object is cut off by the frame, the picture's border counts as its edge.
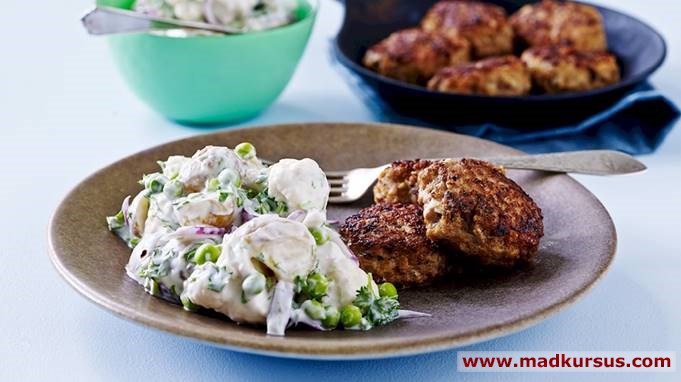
(211, 79)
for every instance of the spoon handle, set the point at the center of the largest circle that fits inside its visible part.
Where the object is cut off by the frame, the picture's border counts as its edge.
(592, 162)
(108, 20)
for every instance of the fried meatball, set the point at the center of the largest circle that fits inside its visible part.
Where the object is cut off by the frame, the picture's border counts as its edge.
(552, 22)
(399, 182)
(390, 242)
(496, 76)
(471, 206)
(563, 69)
(413, 55)
(485, 26)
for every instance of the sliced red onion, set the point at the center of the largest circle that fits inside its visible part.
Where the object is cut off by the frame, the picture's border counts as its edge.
(209, 13)
(204, 230)
(199, 232)
(297, 215)
(246, 216)
(410, 314)
(333, 222)
(280, 309)
(124, 209)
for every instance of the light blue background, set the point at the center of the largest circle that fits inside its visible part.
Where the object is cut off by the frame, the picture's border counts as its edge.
(65, 113)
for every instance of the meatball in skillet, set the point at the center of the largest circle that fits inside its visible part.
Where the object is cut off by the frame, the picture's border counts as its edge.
(471, 206)
(414, 55)
(563, 69)
(398, 183)
(556, 22)
(496, 76)
(484, 26)
(390, 242)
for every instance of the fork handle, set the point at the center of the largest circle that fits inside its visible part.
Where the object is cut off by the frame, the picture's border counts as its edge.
(591, 162)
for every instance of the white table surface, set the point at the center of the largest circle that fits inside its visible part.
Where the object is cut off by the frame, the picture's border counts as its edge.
(66, 112)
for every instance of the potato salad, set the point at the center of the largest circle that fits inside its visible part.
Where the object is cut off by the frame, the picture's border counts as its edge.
(247, 15)
(221, 231)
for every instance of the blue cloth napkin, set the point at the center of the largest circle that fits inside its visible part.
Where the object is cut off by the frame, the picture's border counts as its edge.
(637, 124)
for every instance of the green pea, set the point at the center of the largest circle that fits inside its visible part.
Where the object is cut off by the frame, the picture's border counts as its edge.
(253, 284)
(387, 290)
(350, 316)
(155, 183)
(152, 287)
(207, 252)
(281, 208)
(223, 195)
(314, 309)
(319, 236)
(317, 285)
(213, 184)
(188, 304)
(245, 150)
(116, 222)
(173, 189)
(133, 242)
(332, 317)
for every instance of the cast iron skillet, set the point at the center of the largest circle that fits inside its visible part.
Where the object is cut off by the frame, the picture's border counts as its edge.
(639, 48)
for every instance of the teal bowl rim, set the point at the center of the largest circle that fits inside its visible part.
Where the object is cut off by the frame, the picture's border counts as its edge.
(311, 15)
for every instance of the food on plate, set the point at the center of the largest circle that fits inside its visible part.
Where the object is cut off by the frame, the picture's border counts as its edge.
(222, 231)
(484, 26)
(398, 183)
(469, 207)
(474, 208)
(552, 22)
(248, 15)
(495, 76)
(413, 55)
(390, 242)
(562, 68)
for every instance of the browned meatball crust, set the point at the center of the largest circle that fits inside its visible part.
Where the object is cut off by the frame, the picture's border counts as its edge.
(563, 69)
(398, 183)
(557, 22)
(496, 76)
(485, 26)
(413, 55)
(390, 242)
(474, 208)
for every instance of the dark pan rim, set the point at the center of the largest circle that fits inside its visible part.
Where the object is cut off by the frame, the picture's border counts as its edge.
(628, 82)
(331, 350)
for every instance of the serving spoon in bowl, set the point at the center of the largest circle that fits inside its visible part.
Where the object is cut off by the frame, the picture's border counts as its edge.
(349, 186)
(108, 20)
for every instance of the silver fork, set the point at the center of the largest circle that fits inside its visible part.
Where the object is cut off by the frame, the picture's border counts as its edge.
(349, 186)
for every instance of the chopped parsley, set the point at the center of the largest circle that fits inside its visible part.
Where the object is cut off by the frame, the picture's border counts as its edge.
(375, 309)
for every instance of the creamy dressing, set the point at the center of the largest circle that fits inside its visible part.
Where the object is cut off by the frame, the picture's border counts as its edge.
(301, 184)
(162, 257)
(208, 162)
(172, 166)
(210, 231)
(269, 245)
(219, 288)
(274, 245)
(251, 15)
(206, 208)
(345, 276)
(161, 217)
